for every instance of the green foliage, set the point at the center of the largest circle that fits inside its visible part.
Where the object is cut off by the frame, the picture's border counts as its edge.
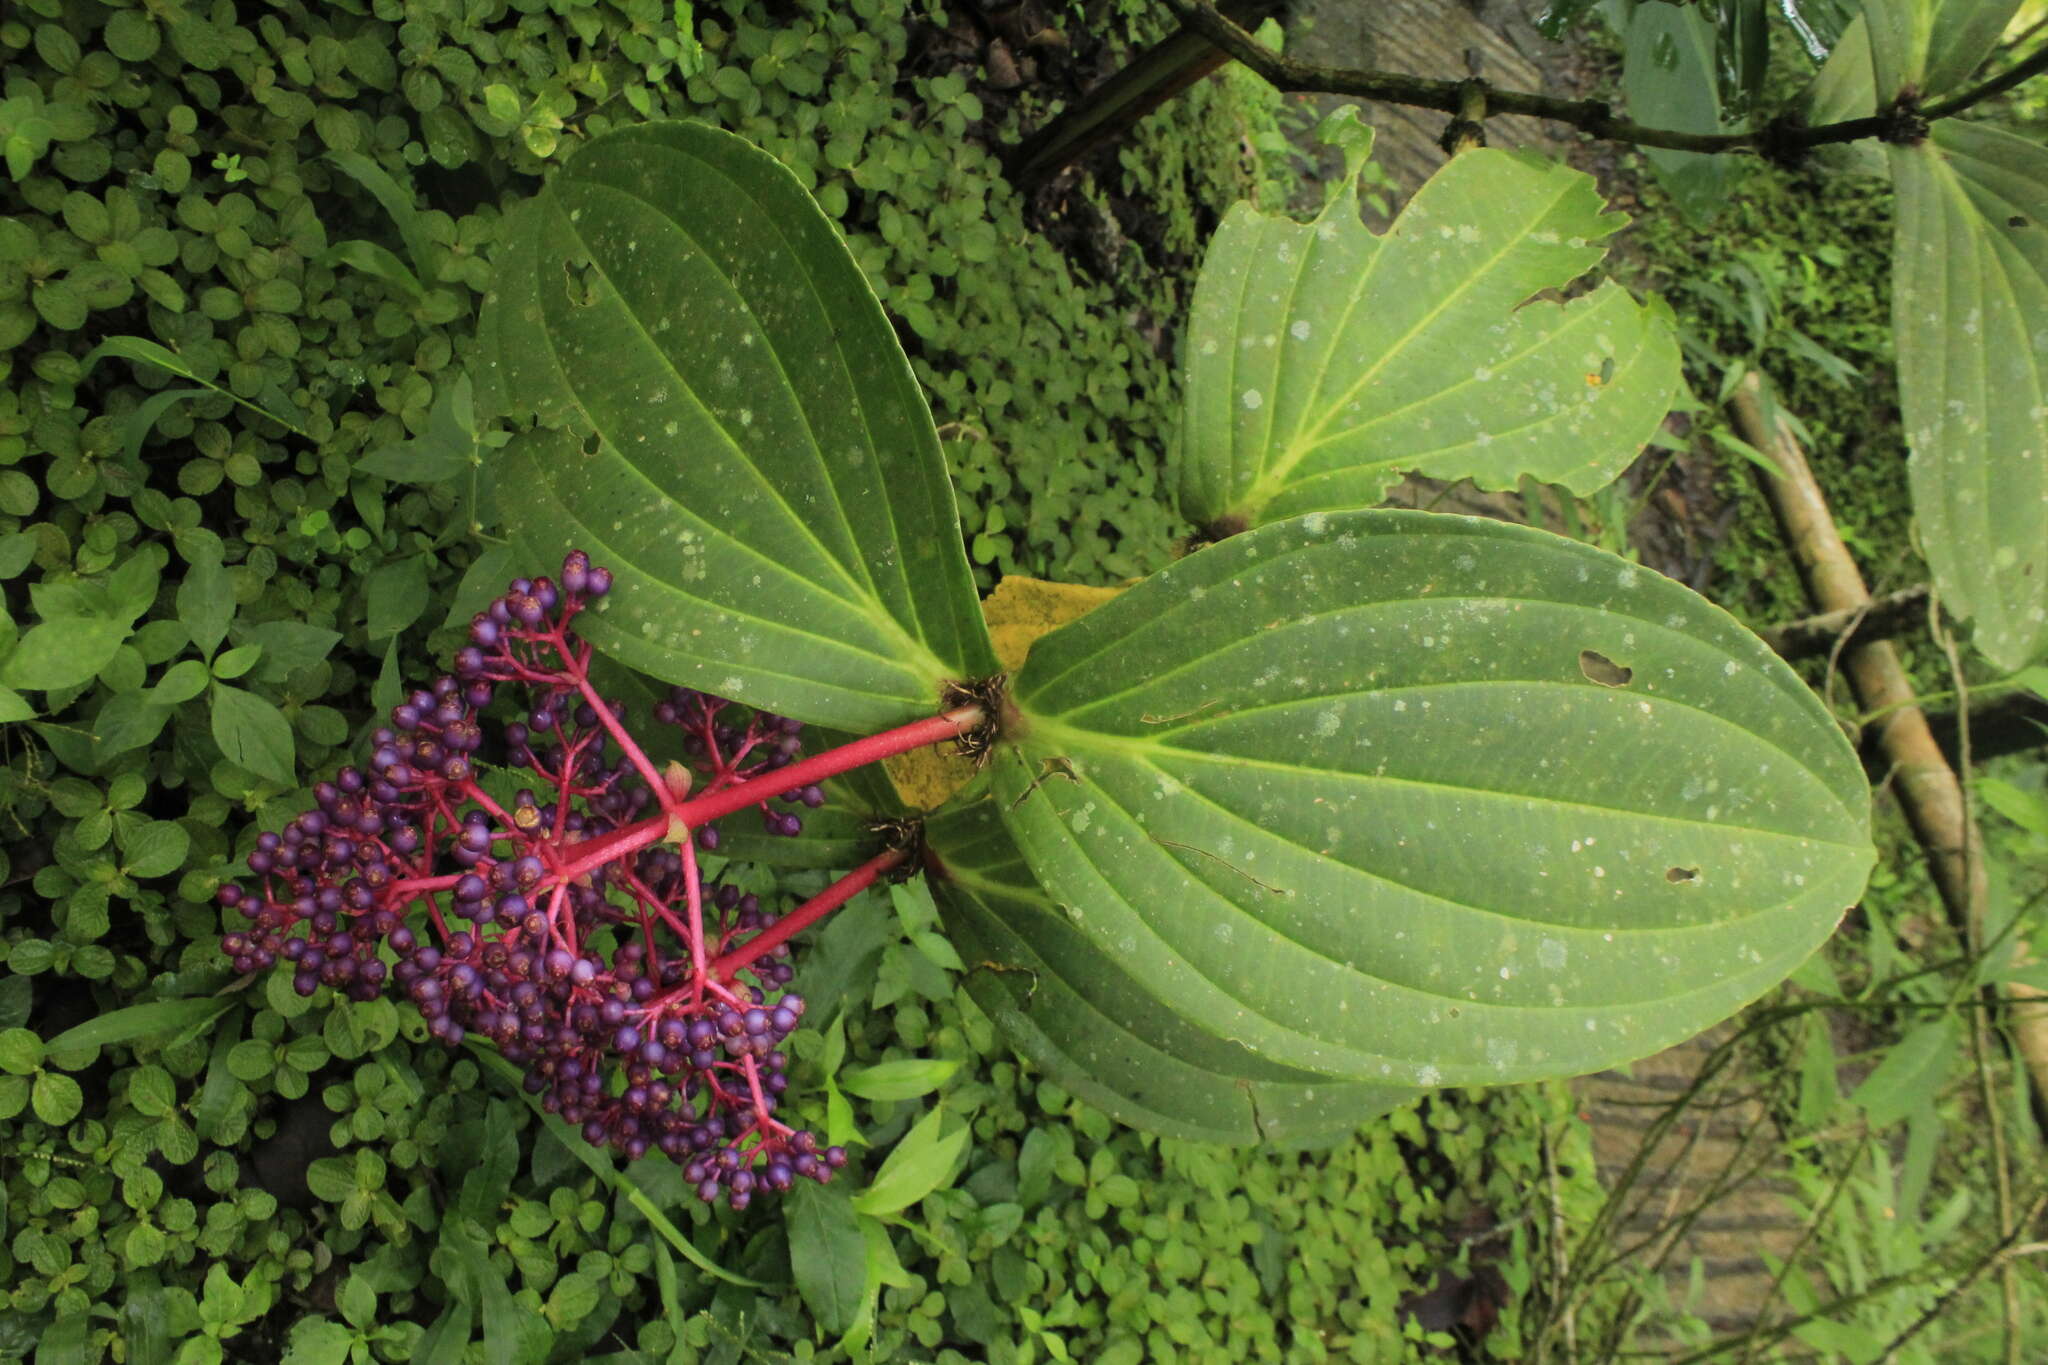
(1324, 361)
(243, 486)
(785, 381)
(1253, 784)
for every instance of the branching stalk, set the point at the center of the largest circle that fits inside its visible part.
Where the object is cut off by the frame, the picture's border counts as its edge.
(1594, 117)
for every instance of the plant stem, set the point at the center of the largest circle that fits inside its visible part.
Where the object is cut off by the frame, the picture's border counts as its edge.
(695, 922)
(702, 810)
(580, 662)
(1595, 117)
(807, 914)
(593, 853)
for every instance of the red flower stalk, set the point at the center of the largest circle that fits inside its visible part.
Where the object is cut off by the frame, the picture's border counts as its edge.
(576, 930)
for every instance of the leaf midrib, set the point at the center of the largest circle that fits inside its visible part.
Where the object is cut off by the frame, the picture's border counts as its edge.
(1139, 749)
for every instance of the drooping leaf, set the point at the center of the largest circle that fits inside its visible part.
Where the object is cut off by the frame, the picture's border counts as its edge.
(827, 1253)
(1427, 800)
(1324, 361)
(253, 734)
(1072, 1009)
(599, 1163)
(1911, 1073)
(1671, 78)
(162, 1021)
(729, 423)
(1846, 88)
(397, 201)
(916, 1166)
(906, 1079)
(1969, 291)
(155, 353)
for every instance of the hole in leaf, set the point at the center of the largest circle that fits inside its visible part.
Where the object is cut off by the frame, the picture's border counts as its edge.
(1600, 669)
(593, 443)
(580, 282)
(1682, 874)
(2016, 221)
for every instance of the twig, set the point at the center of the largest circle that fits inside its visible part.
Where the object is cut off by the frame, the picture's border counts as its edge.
(1879, 619)
(2002, 1256)
(1595, 117)
(1984, 90)
(1560, 1265)
(1934, 801)
(1994, 1118)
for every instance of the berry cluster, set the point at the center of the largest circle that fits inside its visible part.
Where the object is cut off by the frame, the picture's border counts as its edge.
(569, 921)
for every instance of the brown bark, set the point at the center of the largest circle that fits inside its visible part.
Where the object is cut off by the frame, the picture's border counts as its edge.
(1929, 792)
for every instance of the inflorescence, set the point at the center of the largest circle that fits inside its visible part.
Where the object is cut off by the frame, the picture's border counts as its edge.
(569, 923)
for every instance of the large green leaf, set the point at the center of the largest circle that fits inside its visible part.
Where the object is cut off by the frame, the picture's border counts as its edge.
(1325, 361)
(728, 422)
(1368, 794)
(1067, 1005)
(1969, 295)
(1931, 46)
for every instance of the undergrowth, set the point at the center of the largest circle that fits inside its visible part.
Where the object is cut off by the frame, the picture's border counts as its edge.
(1877, 1095)
(244, 522)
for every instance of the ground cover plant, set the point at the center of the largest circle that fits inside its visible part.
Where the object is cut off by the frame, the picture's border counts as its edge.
(201, 1162)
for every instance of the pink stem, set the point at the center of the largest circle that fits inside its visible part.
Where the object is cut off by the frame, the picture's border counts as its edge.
(634, 754)
(420, 886)
(765, 1121)
(688, 848)
(702, 810)
(805, 915)
(593, 853)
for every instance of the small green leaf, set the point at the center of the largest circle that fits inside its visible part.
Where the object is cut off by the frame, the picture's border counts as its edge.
(253, 734)
(289, 646)
(152, 1091)
(920, 1163)
(156, 850)
(21, 1051)
(57, 1098)
(181, 682)
(233, 663)
(320, 1341)
(902, 1080)
(331, 1178)
(358, 1301)
(63, 653)
(827, 1253)
(501, 103)
(396, 595)
(206, 604)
